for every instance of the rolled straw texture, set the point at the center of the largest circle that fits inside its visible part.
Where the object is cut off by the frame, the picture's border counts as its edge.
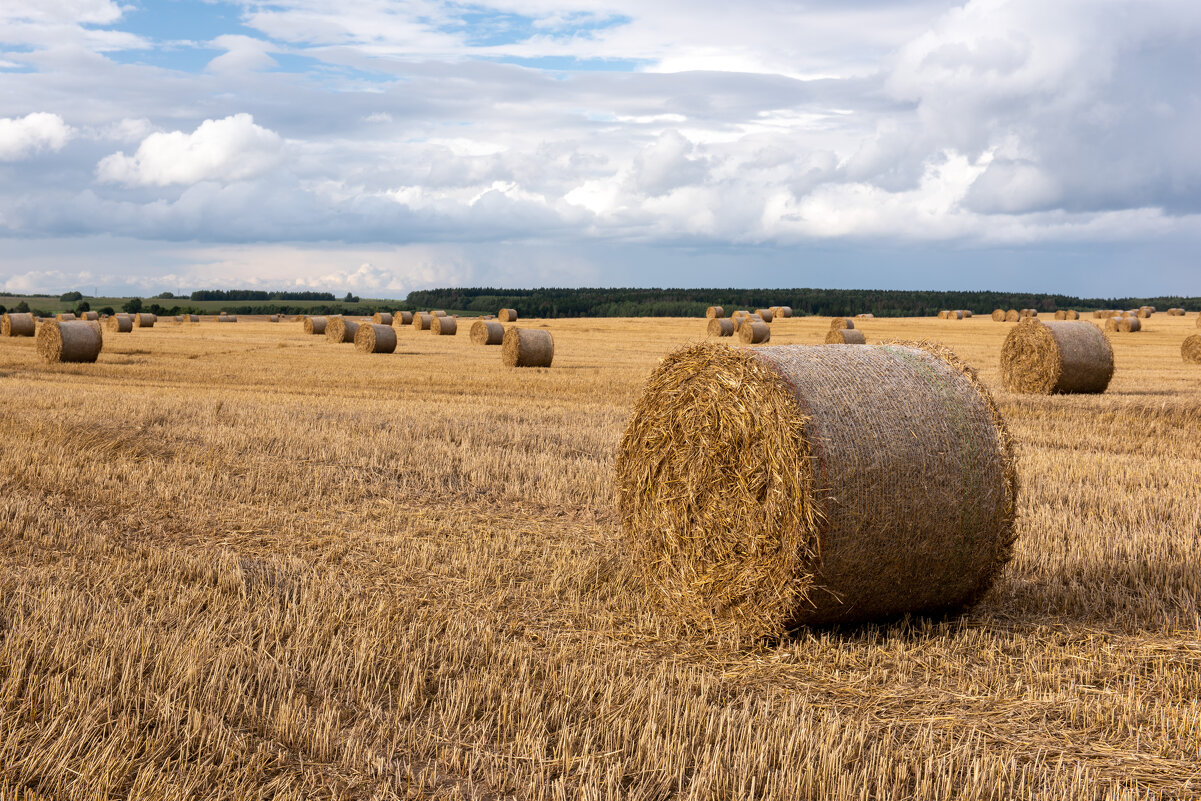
(191, 318)
(845, 336)
(274, 318)
(754, 332)
(998, 315)
(1190, 349)
(955, 315)
(144, 320)
(967, 313)
(839, 323)
(1175, 312)
(1044, 358)
(1013, 316)
(527, 347)
(487, 332)
(740, 313)
(507, 315)
(765, 314)
(89, 315)
(402, 318)
(884, 482)
(785, 312)
(438, 313)
(64, 317)
(382, 318)
(339, 329)
(866, 316)
(119, 323)
(315, 325)
(444, 326)
(422, 321)
(375, 338)
(227, 318)
(69, 341)
(1144, 312)
(942, 315)
(18, 324)
(1124, 325)
(714, 312)
(720, 327)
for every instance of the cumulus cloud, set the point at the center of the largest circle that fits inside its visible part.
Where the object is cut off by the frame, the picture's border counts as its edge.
(229, 149)
(24, 136)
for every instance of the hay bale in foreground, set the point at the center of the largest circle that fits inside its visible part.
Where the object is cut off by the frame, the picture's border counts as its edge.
(1190, 349)
(838, 323)
(119, 323)
(402, 318)
(718, 327)
(339, 330)
(375, 338)
(382, 318)
(315, 325)
(144, 320)
(18, 324)
(998, 315)
(754, 332)
(527, 347)
(1044, 358)
(487, 332)
(884, 482)
(1124, 325)
(422, 321)
(69, 341)
(714, 312)
(444, 326)
(764, 314)
(507, 315)
(845, 336)
(1013, 316)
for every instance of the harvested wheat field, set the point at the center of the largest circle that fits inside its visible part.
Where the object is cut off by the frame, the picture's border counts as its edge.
(285, 570)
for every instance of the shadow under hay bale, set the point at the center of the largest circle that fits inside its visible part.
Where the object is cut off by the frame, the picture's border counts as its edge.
(375, 338)
(444, 326)
(487, 332)
(1190, 349)
(845, 336)
(18, 324)
(315, 325)
(422, 321)
(720, 327)
(1058, 357)
(69, 341)
(754, 332)
(715, 312)
(527, 347)
(340, 330)
(884, 482)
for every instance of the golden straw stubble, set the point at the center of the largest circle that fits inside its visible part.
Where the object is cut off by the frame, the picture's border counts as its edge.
(527, 347)
(69, 341)
(754, 332)
(1056, 357)
(1190, 349)
(720, 327)
(444, 326)
(845, 336)
(375, 338)
(487, 332)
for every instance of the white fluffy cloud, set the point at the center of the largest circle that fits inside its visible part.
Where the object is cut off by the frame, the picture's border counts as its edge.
(22, 137)
(230, 149)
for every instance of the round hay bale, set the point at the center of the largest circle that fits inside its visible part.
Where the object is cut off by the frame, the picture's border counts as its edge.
(866, 316)
(838, 323)
(884, 482)
(764, 314)
(1190, 349)
(507, 315)
(718, 327)
(845, 336)
(144, 320)
(714, 312)
(119, 323)
(273, 318)
(89, 315)
(438, 313)
(955, 315)
(527, 347)
(64, 317)
(754, 332)
(740, 313)
(1175, 312)
(1123, 325)
(942, 315)
(1013, 316)
(422, 321)
(998, 315)
(18, 324)
(1044, 358)
(487, 332)
(227, 318)
(1143, 313)
(444, 326)
(339, 329)
(785, 312)
(69, 341)
(382, 318)
(191, 318)
(315, 325)
(402, 318)
(375, 338)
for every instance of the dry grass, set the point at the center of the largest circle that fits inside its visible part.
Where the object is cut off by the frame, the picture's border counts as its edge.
(232, 570)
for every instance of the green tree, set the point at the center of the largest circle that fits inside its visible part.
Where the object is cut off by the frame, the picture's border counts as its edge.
(132, 306)
(70, 297)
(22, 307)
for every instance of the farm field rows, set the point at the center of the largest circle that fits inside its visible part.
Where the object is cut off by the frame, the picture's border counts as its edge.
(241, 562)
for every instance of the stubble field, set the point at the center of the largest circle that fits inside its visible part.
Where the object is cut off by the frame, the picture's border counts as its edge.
(239, 562)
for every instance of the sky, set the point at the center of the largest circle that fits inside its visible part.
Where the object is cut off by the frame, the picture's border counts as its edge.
(1020, 145)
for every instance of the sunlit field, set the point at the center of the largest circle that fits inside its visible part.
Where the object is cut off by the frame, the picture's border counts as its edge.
(240, 562)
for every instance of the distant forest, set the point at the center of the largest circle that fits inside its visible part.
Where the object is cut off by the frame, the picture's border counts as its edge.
(824, 302)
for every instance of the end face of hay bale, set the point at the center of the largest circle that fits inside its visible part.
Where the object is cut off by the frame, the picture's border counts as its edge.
(382, 318)
(507, 315)
(315, 325)
(720, 327)
(527, 347)
(1059, 357)
(444, 326)
(998, 315)
(754, 332)
(785, 312)
(375, 338)
(70, 341)
(714, 312)
(764, 314)
(1190, 349)
(1013, 316)
(18, 324)
(422, 321)
(839, 323)
(868, 461)
(845, 336)
(487, 332)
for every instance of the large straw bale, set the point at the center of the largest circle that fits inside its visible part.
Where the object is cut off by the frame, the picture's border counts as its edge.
(89, 315)
(191, 318)
(1124, 325)
(487, 332)
(444, 326)
(714, 312)
(955, 315)
(1175, 312)
(1190, 349)
(1144, 312)
(754, 332)
(375, 338)
(719, 327)
(315, 325)
(883, 482)
(998, 315)
(18, 324)
(339, 329)
(838, 323)
(942, 315)
(1013, 316)
(119, 323)
(507, 315)
(382, 318)
(965, 314)
(402, 318)
(764, 314)
(65, 317)
(422, 320)
(845, 336)
(1044, 358)
(70, 341)
(144, 320)
(527, 347)
(438, 313)
(785, 312)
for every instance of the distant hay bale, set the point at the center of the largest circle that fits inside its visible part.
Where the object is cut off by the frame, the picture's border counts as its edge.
(714, 312)
(527, 347)
(382, 318)
(1067, 314)
(375, 338)
(1060, 314)
(64, 317)
(866, 316)
(69, 341)
(89, 315)
(444, 326)
(1030, 312)
(845, 336)
(1144, 312)
(965, 314)
(422, 321)
(144, 320)
(1059, 357)
(942, 315)
(754, 332)
(1013, 316)
(1190, 349)
(18, 324)
(1124, 325)
(507, 315)
(719, 327)
(315, 325)
(998, 315)
(339, 329)
(765, 314)
(1098, 314)
(883, 482)
(785, 312)
(487, 332)
(402, 318)
(178, 318)
(438, 313)
(119, 323)
(955, 315)
(273, 318)
(227, 318)
(838, 323)
(191, 318)
(740, 313)
(1175, 312)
